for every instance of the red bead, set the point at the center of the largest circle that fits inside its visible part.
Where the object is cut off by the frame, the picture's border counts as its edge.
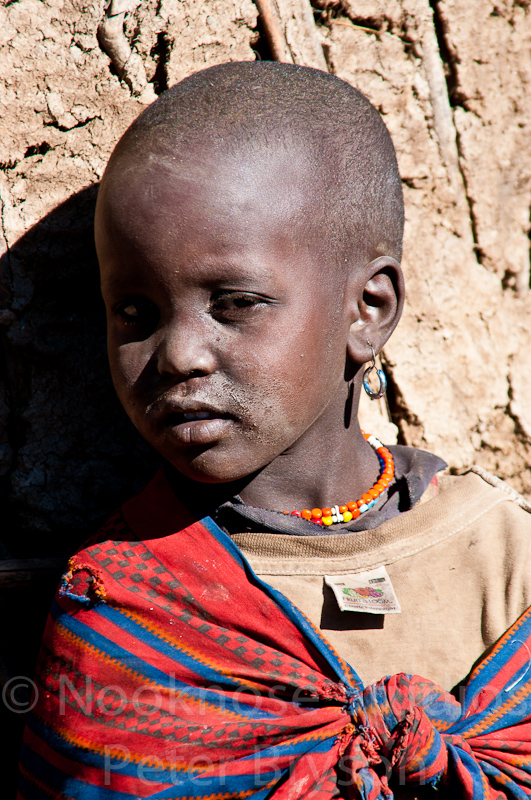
(317, 521)
(296, 514)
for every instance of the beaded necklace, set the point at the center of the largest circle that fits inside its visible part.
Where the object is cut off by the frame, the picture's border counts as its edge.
(327, 516)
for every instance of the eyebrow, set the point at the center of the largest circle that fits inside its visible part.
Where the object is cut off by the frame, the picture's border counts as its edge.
(213, 274)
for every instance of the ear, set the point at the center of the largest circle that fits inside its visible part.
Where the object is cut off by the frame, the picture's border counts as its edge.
(376, 303)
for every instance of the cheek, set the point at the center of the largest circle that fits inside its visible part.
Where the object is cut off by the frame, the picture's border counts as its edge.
(292, 378)
(127, 362)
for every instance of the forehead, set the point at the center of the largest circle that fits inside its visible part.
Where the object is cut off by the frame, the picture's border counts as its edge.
(206, 198)
(209, 208)
(205, 180)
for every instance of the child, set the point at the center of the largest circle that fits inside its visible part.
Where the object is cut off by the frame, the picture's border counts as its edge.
(249, 230)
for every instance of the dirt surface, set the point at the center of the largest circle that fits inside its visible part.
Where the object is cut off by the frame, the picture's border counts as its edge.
(458, 107)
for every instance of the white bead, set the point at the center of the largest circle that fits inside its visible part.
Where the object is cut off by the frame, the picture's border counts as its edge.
(334, 518)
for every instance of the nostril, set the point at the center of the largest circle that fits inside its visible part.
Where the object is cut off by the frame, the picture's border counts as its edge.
(185, 357)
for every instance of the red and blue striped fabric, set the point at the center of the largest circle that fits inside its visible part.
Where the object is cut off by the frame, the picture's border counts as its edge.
(169, 670)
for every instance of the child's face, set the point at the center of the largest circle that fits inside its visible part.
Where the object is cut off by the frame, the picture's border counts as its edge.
(226, 331)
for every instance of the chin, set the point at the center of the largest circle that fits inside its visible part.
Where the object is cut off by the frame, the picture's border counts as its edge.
(211, 471)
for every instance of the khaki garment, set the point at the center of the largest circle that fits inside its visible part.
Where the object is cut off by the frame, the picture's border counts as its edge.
(460, 564)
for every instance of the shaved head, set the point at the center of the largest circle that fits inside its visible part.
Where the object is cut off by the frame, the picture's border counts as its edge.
(308, 120)
(248, 229)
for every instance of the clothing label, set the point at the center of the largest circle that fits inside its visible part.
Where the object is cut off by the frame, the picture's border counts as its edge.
(369, 592)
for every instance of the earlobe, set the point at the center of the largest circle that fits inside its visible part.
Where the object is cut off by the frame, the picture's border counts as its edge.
(379, 302)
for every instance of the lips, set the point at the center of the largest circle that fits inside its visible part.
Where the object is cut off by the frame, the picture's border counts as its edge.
(197, 426)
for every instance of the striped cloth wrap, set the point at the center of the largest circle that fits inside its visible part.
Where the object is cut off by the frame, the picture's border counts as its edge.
(170, 670)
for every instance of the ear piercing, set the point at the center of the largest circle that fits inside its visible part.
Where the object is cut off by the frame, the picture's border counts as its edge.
(380, 374)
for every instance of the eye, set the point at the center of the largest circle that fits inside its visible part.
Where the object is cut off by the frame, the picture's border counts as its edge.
(138, 311)
(234, 305)
(131, 311)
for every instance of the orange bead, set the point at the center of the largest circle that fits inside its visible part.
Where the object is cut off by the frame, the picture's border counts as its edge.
(352, 506)
(342, 509)
(317, 513)
(355, 512)
(306, 513)
(327, 512)
(365, 498)
(373, 493)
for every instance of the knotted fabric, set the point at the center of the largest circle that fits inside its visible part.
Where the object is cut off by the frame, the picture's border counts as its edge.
(169, 670)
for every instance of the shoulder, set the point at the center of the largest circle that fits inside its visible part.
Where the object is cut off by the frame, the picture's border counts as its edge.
(497, 483)
(155, 512)
(479, 485)
(129, 539)
(483, 506)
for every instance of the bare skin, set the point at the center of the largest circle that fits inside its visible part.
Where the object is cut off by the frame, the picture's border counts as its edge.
(232, 340)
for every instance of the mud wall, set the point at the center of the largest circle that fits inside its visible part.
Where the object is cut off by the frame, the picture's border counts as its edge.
(452, 79)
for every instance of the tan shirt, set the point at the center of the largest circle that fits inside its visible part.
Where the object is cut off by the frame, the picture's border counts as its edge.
(460, 565)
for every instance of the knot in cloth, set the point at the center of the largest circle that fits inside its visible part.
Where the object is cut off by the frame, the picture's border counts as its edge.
(395, 729)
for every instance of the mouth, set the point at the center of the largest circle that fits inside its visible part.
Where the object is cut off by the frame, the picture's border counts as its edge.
(179, 416)
(189, 416)
(198, 426)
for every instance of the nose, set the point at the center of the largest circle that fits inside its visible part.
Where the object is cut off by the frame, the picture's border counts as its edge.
(186, 348)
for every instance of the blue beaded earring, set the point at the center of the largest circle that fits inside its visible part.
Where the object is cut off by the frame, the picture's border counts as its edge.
(374, 395)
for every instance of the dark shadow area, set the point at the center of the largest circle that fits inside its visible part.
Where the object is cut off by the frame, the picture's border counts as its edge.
(260, 45)
(23, 613)
(74, 454)
(161, 53)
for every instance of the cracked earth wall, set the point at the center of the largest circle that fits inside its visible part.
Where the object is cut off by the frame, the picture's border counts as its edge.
(458, 106)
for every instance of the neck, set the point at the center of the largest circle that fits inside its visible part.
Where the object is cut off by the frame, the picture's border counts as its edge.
(337, 474)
